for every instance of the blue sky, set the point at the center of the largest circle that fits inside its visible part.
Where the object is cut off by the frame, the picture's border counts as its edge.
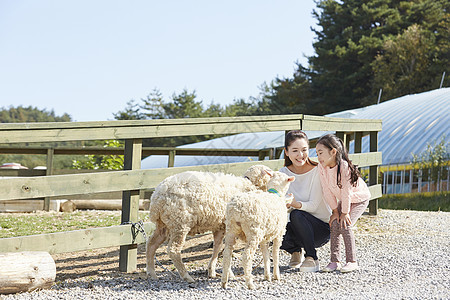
(89, 58)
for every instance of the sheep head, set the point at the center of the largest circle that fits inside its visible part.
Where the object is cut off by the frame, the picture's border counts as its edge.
(279, 182)
(258, 176)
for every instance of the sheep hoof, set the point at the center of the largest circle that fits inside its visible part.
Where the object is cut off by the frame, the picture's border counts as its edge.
(224, 284)
(250, 285)
(267, 277)
(188, 278)
(212, 275)
(152, 276)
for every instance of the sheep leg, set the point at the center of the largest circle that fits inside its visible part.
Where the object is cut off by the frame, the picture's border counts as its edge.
(158, 237)
(247, 261)
(230, 240)
(276, 258)
(176, 243)
(265, 252)
(218, 237)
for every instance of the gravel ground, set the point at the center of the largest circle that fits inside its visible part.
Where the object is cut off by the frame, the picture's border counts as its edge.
(402, 255)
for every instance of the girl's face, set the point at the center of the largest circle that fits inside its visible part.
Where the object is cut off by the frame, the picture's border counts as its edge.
(297, 152)
(327, 157)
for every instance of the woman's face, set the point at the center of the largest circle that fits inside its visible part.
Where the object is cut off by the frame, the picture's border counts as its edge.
(327, 157)
(297, 152)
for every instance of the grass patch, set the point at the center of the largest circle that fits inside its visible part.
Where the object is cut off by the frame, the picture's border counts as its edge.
(13, 224)
(436, 201)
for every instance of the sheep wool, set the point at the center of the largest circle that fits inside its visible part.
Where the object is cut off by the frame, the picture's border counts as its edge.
(257, 218)
(194, 202)
(177, 198)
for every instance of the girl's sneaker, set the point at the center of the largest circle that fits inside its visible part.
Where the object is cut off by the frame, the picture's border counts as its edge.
(349, 267)
(332, 266)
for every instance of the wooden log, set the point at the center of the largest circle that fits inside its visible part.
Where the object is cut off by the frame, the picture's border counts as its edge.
(26, 271)
(68, 206)
(103, 204)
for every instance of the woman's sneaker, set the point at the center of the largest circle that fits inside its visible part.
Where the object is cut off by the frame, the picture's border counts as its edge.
(349, 267)
(332, 266)
(296, 260)
(310, 265)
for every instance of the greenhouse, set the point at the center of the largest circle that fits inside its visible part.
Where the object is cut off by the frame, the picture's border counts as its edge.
(413, 125)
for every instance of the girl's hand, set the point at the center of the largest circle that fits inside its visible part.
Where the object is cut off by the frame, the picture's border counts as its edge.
(345, 220)
(334, 216)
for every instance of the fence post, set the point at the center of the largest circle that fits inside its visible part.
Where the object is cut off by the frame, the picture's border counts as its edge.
(48, 172)
(357, 145)
(358, 142)
(348, 138)
(373, 172)
(341, 135)
(261, 154)
(171, 161)
(130, 204)
(271, 153)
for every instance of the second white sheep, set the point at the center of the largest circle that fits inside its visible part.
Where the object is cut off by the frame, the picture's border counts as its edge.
(257, 218)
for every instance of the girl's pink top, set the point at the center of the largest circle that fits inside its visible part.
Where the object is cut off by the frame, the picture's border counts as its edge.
(348, 194)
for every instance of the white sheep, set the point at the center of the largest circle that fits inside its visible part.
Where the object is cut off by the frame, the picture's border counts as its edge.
(257, 218)
(193, 202)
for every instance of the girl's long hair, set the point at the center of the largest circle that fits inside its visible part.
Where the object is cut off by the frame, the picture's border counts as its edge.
(290, 137)
(331, 141)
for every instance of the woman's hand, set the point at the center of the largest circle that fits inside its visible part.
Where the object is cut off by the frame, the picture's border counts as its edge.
(294, 204)
(334, 216)
(289, 198)
(345, 221)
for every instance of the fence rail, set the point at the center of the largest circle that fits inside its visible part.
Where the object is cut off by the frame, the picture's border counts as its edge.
(146, 151)
(131, 180)
(87, 183)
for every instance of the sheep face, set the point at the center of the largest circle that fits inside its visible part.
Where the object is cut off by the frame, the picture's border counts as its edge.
(279, 182)
(259, 176)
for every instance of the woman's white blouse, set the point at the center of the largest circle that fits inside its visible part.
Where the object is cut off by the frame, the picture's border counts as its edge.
(307, 189)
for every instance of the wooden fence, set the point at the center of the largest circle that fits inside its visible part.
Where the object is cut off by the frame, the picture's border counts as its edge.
(132, 179)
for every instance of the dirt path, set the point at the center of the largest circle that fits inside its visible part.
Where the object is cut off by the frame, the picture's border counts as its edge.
(77, 265)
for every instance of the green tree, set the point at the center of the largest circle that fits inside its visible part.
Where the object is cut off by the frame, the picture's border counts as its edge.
(434, 157)
(106, 162)
(182, 105)
(350, 37)
(28, 114)
(153, 106)
(292, 95)
(131, 112)
(21, 114)
(405, 63)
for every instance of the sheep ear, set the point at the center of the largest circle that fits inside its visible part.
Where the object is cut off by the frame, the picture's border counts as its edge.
(290, 179)
(270, 173)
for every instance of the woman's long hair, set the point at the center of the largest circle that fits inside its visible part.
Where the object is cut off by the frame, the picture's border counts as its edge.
(331, 141)
(290, 137)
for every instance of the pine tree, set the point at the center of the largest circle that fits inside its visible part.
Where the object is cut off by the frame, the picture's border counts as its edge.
(353, 51)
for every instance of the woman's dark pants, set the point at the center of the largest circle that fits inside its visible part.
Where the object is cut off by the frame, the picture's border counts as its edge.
(304, 231)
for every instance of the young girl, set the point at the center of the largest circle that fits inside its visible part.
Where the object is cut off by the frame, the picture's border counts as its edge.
(308, 226)
(347, 195)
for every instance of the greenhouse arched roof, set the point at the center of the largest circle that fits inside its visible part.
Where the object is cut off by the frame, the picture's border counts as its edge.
(409, 124)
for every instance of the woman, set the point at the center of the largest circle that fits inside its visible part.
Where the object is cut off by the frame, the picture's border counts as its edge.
(308, 226)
